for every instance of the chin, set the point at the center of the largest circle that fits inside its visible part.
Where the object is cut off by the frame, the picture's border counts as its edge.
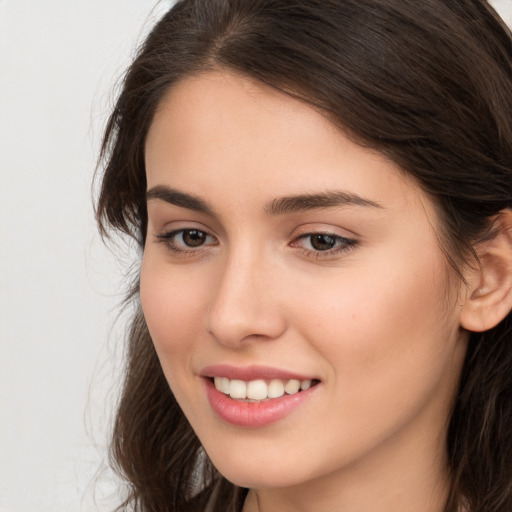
(265, 472)
(260, 478)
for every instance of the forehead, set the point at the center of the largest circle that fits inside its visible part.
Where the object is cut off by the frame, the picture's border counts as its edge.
(222, 102)
(221, 127)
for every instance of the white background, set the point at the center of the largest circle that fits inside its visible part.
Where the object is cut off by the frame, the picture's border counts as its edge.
(59, 286)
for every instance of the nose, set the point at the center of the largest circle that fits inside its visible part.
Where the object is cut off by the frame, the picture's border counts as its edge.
(245, 304)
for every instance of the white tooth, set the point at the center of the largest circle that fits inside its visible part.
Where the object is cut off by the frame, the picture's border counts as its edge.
(275, 388)
(292, 386)
(305, 384)
(257, 390)
(237, 389)
(224, 385)
(217, 381)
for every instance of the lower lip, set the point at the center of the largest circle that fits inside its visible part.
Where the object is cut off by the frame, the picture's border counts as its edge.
(254, 414)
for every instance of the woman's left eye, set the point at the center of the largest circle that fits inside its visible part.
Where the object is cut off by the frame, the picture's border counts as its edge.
(319, 244)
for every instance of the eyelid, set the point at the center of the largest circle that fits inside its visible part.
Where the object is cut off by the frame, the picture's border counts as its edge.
(342, 243)
(312, 228)
(347, 242)
(167, 237)
(173, 232)
(165, 226)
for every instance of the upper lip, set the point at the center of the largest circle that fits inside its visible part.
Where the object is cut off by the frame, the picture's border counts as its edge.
(252, 372)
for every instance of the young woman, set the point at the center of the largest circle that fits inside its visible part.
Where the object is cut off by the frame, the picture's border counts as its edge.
(322, 193)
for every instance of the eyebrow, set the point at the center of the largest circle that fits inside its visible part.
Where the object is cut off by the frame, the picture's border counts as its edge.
(328, 199)
(278, 206)
(177, 198)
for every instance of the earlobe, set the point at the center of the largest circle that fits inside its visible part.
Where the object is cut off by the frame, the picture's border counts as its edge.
(489, 292)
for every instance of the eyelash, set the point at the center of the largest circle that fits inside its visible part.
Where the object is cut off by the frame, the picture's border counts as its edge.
(343, 244)
(169, 240)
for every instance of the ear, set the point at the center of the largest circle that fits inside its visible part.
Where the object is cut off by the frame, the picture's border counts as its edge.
(489, 290)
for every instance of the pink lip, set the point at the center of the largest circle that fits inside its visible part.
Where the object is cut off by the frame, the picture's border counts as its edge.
(252, 414)
(252, 372)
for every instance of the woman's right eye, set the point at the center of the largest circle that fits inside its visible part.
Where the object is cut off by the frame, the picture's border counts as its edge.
(187, 240)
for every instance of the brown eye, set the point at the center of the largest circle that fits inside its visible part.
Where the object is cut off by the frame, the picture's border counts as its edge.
(323, 245)
(187, 241)
(193, 237)
(322, 242)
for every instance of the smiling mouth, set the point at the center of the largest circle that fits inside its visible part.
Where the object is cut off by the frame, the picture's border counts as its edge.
(261, 390)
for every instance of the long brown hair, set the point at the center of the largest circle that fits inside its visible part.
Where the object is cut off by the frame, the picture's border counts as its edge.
(429, 84)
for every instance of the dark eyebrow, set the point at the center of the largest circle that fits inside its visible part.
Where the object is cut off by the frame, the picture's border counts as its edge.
(278, 206)
(177, 198)
(323, 200)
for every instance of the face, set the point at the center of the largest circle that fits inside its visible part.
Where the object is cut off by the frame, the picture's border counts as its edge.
(288, 265)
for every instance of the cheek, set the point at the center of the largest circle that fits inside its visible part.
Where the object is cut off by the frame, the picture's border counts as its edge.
(385, 333)
(172, 303)
(171, 306)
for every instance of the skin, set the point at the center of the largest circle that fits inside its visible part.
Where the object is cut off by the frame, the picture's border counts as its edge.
(377, 321)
